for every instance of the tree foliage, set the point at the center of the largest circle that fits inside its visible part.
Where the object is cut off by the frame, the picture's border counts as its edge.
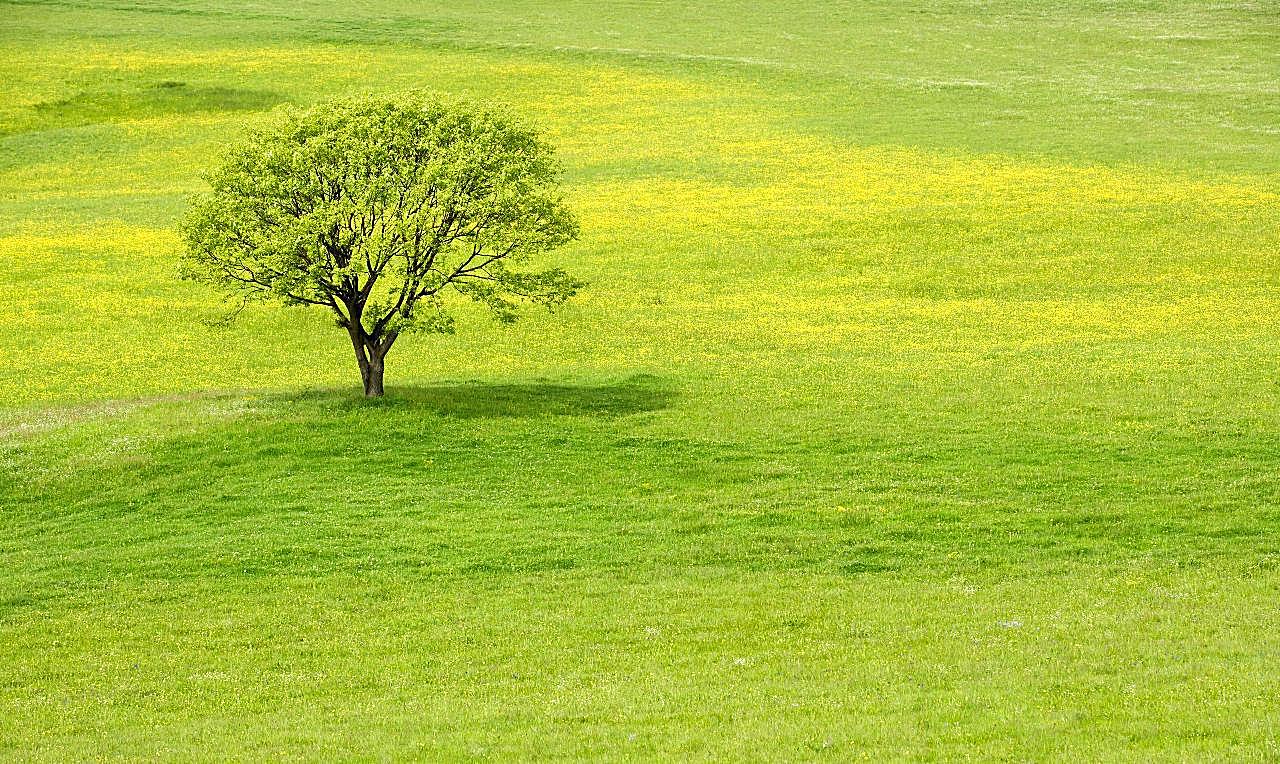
(379, 209)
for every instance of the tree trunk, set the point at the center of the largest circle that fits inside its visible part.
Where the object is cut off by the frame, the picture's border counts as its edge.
(373, 376)
(370, 354)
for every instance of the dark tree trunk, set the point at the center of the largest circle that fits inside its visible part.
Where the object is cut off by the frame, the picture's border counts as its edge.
(370, 356)
(373, 376)
(371, 351)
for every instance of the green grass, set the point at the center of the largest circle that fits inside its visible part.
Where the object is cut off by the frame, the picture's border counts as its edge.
(924, 404)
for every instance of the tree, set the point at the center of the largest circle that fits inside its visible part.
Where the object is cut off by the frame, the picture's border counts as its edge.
(380, 208)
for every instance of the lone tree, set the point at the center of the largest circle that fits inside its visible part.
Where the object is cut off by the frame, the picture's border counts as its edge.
(378, 208)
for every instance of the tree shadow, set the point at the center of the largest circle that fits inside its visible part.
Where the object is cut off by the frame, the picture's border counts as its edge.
(478, 400)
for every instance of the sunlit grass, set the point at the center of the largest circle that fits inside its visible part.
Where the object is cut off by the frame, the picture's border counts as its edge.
(803, 246)
(923, 402)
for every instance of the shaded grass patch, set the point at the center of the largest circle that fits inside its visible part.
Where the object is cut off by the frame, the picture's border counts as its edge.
(160, 99)
(479, 400)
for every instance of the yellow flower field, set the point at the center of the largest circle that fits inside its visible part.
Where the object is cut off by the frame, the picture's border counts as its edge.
(923, 402)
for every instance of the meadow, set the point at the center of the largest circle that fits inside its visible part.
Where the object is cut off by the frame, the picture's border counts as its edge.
(924, 403)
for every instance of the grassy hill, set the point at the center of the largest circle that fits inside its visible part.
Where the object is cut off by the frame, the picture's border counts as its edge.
(924, 403)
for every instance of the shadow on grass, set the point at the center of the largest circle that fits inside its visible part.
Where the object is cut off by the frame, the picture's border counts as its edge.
(155, 100)
(473, 400)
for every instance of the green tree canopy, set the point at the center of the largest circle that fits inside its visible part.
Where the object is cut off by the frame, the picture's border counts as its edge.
(378, 209)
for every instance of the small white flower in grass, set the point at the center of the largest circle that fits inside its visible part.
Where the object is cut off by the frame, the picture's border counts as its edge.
(1014, 624)
(739, 661)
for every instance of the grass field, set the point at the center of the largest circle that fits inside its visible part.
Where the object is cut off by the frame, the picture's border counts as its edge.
(924, 403)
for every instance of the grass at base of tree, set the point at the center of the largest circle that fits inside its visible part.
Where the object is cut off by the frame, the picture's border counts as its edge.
(516, 570)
